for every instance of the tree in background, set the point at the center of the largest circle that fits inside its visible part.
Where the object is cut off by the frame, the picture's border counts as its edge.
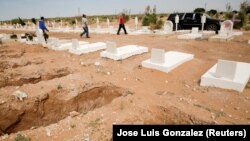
(212, 12)
(199, 10)
(150, 19)
(229, 13)
(127, 15)
(244, 7)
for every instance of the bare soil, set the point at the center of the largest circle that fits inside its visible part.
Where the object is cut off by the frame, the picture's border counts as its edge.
(116, 92)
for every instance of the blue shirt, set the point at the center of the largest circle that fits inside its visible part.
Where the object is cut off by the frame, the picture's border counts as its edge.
(42, 25)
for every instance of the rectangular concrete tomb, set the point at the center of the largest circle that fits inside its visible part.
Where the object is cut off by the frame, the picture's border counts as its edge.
(122, 52)
(225, 33)
(228, 75)
(193, 35)
(166, 61)
(87, 48)
(65, 44)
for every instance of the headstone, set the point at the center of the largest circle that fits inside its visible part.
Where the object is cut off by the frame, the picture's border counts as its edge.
(61, 24)
(226, 69)
(75, 43)
(195, 30)
(176, 22)
(97, 23)
(168, 26)
(203, 21)
(76, 22)
(226, 28)
(157, 56)
(136, 23)
(108, 22)
(111, 47)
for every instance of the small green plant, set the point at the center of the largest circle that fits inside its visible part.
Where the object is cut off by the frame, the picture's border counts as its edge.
(247, 27)
(20, 137)
(95, 123)
(72, 126)
(59, 87)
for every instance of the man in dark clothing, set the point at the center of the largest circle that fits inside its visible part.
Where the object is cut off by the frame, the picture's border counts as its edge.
(43, 28)
(85, 26)
(121, 24)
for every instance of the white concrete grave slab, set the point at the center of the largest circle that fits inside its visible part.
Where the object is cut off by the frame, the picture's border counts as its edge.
(143, 30)
(225, 33)
(193, 35)
(172, 59)
(87, 48)
(60, 45)
(76, 44)
(237, 33)
(123, 52)
(67, 44)
(227, 75)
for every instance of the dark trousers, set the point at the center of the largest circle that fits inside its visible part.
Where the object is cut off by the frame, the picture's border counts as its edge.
(123, 27)
(46, 36)
(85, 30)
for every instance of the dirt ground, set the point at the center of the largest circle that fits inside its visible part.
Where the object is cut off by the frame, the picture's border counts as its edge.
(114, 92)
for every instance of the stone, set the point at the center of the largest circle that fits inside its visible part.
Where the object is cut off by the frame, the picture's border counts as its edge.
(157, 56)
(172, 60)
(226, 28)
(124, 52)
(74, 113)
(168, 26)
(97, 63)
(229, 75)
(20, 95)
(226, 69)
(195, 30)
(87, 48)
(111, 47)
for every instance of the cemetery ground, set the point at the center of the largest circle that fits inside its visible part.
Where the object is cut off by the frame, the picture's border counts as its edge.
(72, 97)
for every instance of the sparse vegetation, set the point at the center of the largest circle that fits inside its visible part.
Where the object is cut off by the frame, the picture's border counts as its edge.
(20, 137)
(59, 87)
(72, 126)
(151, 19)
(243, 14)
(212, 12)
(95, 123)
(199, 10)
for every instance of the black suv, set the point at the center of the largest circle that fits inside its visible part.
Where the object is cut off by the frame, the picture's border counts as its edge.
(189, 20)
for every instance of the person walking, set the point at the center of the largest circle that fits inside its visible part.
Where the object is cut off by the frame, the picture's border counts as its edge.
(85, 26)
(121, 24)
(43, 28)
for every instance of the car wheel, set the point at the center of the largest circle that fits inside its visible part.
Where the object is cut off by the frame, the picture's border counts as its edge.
(212, 27)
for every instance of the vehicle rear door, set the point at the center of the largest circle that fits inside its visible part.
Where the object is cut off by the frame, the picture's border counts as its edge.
(188, 20)
(197, 20)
